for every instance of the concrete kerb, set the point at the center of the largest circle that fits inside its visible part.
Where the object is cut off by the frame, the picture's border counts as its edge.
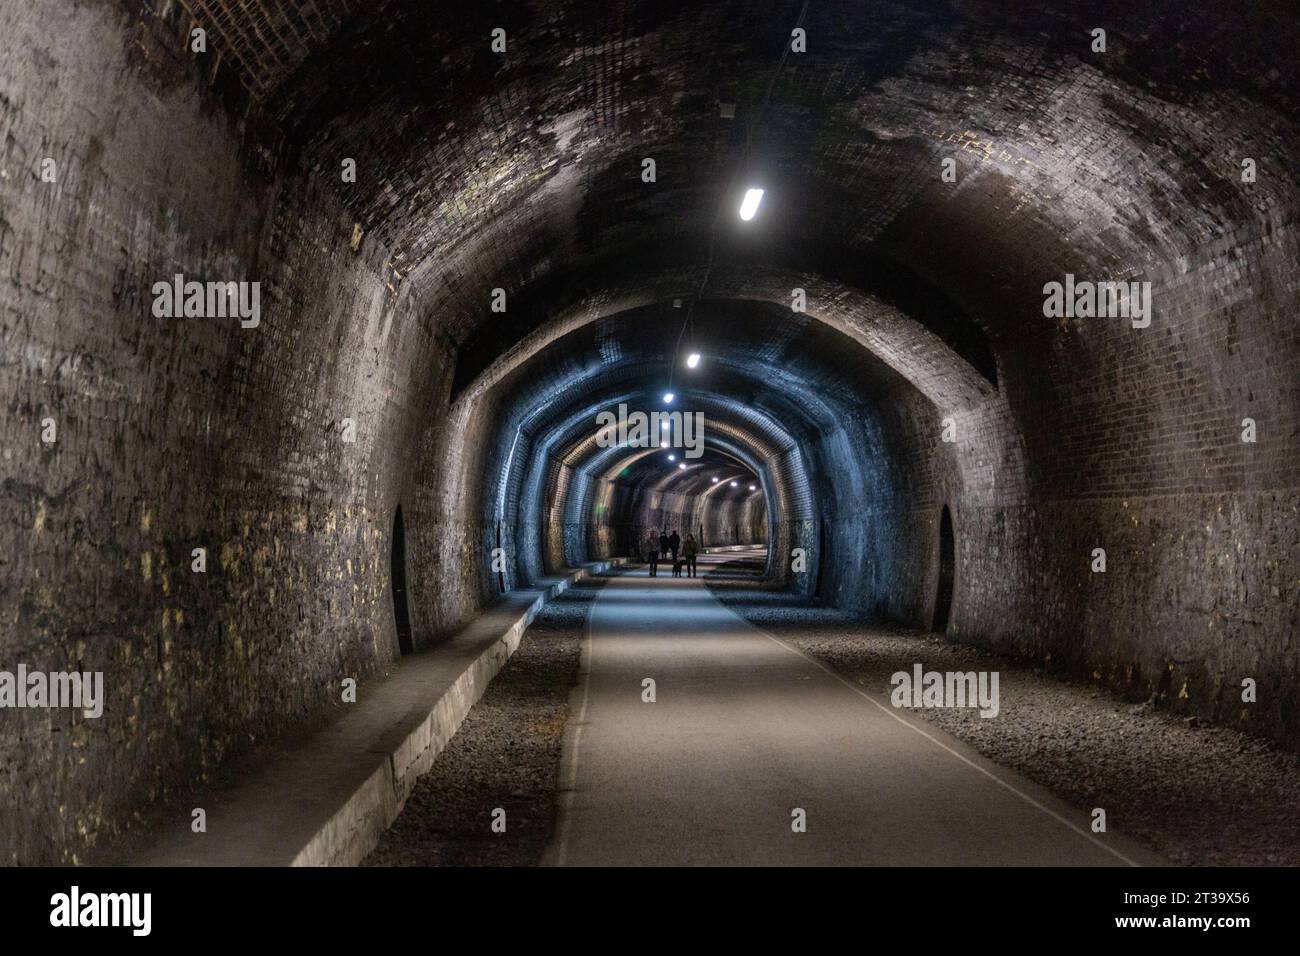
(325, 798)
(354, 830)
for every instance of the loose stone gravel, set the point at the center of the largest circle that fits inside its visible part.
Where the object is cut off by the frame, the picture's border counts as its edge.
(1200, 795)
(506, 754)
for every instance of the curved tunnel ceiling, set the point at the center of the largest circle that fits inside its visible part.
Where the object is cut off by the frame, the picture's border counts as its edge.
(926, 171)
(523, 175)
(770, 381)
(522, 171)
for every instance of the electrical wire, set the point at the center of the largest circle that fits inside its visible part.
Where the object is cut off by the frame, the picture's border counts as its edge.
(717, 215)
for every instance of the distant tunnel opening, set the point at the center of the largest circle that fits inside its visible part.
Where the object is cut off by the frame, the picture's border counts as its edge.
(398, 577)
(947, 560)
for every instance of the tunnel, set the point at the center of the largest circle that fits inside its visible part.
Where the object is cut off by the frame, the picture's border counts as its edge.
(358, 358)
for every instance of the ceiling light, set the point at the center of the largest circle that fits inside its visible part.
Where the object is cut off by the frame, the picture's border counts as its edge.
(672, 457)
(734, 485)
(663, 426)
(750, 205)
(693, 360)
(682, 466)
(668, 398)
(752, 488)
(715, 479)
(663, 444)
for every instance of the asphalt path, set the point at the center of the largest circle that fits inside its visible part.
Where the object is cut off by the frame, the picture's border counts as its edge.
(746, 737)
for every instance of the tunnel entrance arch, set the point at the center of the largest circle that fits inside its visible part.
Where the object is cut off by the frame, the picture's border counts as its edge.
(397, 575)
(947, 569)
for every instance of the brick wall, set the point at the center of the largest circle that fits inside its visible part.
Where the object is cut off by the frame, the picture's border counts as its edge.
(175, 434)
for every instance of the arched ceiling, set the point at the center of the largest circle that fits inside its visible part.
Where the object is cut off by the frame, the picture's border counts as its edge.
(521, 170)
(754, 352)
(769, 382)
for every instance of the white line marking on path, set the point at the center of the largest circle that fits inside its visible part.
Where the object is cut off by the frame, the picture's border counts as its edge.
(940, 744)
(570, 775)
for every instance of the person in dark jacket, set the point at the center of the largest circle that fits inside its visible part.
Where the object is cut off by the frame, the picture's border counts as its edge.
(663, 543)
(674, 544)
(689, 550)
(652, 551)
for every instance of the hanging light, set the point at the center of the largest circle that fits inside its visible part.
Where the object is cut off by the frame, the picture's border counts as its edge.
(750, 204)
(668, 398)
(693, 360)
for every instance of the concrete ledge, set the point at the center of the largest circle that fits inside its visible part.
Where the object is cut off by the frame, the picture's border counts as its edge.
(325, 800)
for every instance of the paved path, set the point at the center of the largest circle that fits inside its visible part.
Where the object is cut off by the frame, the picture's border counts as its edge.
(745, 729)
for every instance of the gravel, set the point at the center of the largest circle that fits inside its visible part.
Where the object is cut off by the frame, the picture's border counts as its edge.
(506, 754)
(1197, 794)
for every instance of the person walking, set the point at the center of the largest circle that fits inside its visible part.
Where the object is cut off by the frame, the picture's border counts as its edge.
(663, 543)
(689, 550)
(674, 544)
(652, 550)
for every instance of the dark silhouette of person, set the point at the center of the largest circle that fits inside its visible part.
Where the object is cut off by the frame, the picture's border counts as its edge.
(674, 544)
(663, 542)
(689, 550)
(652, 548)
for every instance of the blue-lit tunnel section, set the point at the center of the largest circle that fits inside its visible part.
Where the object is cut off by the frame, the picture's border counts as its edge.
(798, 450)
(660, 487)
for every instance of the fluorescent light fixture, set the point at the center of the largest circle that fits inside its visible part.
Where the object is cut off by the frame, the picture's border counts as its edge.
(693, 360)
(668, 398)
(750, 206)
